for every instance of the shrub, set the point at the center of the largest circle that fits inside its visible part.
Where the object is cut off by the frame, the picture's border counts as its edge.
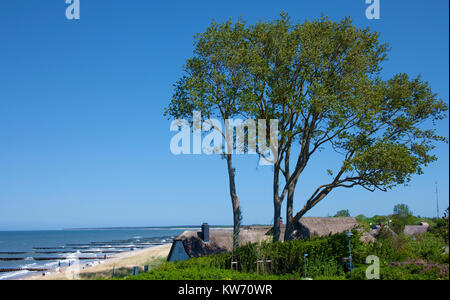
(405, 272)
(326, 258)
(324, 267)
(429, 247)
(440, 229)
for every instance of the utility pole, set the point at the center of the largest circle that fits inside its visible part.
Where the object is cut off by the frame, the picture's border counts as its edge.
(437, 200)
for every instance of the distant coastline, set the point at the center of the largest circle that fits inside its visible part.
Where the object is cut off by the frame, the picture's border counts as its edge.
(177, 227)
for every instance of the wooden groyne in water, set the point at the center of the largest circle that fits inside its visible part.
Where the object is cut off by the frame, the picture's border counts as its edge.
(83, 252)
(51, 258)
(63, 258)
(47, 248)
(25, 269)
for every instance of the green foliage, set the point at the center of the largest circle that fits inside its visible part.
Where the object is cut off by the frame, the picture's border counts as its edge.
(398, 224)
(401, 258)
(342, 213)
(215, 76)
(390, 249)
(326, 278)
(402, 217)
(440, 227)
(378, 219)
(174, 272)
(288, 257)
(324, 267)
(321, 81)
(429, 247)
(324, 261)
(361, 218)
(405, 272)
(203, 269)
(402, 210)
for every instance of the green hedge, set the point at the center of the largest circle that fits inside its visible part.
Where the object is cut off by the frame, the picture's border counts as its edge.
(173, 272)
(325, 256)
(326, 260)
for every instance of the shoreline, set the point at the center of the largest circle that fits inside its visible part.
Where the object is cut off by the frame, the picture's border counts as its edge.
(127, 259)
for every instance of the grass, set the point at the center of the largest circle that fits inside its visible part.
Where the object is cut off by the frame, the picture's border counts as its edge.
(122, 272)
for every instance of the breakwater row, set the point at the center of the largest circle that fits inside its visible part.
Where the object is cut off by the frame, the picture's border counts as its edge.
(51, 258)
(33, 251)
(24, 269)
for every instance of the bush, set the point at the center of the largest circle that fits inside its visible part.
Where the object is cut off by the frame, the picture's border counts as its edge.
(326, 258)
(324, 267)
(325, 255)
(429, 247)
(196, 273)
(405, 272)
(440, 229)
(196, 270)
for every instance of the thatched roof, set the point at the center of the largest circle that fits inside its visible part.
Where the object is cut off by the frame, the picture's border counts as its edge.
(220, 240)
(386, 232)
(416, 229)
(308, 227)
(367, 237)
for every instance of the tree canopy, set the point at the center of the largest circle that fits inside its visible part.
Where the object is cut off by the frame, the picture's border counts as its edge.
(342, 213)
(402, 210)
(321, 80)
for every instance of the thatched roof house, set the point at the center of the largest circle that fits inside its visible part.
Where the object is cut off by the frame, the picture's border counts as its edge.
(194, 244)
(207, 242)
(308, 227)
(412, 230)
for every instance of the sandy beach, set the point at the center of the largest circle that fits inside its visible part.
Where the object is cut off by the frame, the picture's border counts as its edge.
(121, 260)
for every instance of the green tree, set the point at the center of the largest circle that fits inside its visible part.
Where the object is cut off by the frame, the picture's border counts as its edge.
(213, 84)
(321, 81)
(402, 210)
(342, 213)
(441, 227)
(361, 218)
(402, 216)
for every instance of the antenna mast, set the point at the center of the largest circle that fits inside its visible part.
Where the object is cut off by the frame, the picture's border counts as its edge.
(437, 200)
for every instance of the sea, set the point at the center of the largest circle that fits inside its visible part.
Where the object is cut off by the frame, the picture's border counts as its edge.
(27, 252)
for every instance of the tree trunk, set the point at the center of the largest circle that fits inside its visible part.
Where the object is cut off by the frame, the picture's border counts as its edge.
(276, 204)
(276, 219)
(290, 209)
(234, 201)
(309, 205)
(290, 228)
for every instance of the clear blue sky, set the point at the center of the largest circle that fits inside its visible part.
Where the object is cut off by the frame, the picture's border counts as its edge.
(83, 142)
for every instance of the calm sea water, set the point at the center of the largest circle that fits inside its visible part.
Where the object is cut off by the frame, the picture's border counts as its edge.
(50, 249)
